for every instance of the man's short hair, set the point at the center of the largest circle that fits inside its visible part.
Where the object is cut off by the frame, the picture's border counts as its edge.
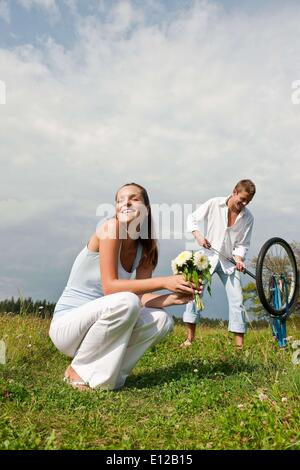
(245, 185)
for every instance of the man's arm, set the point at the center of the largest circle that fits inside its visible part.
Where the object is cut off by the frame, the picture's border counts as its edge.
(242, 246)
(195, 219)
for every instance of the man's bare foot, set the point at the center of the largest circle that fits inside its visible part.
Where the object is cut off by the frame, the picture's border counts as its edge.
(72, 378)
(186, 344)
(239, 340)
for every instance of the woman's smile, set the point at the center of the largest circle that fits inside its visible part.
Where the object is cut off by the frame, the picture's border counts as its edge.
(127, 211)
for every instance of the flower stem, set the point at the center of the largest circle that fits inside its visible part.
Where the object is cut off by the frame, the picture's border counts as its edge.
(198, 302)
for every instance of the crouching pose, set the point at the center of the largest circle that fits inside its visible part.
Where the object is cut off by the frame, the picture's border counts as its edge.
(105, 320)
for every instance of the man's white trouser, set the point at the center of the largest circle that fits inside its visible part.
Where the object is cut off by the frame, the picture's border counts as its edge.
(232, 283)
(107, 336)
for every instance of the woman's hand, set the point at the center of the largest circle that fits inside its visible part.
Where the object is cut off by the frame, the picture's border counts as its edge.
(178, 285)
(178, 299)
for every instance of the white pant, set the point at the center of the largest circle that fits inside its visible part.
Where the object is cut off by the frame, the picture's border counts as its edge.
(107, 336)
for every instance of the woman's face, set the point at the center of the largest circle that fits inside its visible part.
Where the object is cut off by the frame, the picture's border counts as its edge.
(130, 205)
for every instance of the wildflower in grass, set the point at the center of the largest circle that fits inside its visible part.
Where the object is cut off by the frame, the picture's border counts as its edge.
(195, 268)
(262, 396)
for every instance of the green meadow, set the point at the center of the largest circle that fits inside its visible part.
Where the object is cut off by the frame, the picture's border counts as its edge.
(209, 396)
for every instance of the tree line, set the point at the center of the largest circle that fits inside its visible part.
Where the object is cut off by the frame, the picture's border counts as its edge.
(27, 306)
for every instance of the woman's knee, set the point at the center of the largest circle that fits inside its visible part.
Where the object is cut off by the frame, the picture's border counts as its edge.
(62, 344)
(132, 300)
(132, 303)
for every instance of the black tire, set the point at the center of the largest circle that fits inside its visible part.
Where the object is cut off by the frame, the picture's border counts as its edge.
(261, 266)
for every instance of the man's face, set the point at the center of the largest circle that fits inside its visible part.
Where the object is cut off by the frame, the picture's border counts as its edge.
(240, 200)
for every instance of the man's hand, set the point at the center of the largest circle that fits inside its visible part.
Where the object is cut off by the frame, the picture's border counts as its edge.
(206, 244)
(201, 240)
(240, 265)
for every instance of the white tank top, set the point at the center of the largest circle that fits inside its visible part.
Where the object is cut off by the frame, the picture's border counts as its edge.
(84, 283)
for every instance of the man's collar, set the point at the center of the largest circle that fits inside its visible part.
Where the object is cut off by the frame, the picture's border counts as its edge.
(224, 200)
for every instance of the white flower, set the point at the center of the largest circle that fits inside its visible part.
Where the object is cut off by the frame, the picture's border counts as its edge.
(200, 260)
(183, 257)
(174, 266)
(262, 396)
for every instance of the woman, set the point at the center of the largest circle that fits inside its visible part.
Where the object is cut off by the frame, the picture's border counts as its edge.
(104, 319)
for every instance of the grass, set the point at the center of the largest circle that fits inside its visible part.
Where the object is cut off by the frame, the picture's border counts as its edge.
(206, 397)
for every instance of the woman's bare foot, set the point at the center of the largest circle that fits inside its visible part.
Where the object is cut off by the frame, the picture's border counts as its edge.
(72, 378)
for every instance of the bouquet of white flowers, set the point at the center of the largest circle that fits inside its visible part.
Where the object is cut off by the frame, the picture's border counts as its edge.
(195, 267)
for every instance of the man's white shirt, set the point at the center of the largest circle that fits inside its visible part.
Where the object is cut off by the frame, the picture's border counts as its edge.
(231, 241)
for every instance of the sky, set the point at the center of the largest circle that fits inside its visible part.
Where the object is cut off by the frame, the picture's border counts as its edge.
(184, 97)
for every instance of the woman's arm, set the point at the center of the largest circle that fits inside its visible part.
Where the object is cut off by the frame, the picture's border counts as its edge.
(163, 300)
(109, 247)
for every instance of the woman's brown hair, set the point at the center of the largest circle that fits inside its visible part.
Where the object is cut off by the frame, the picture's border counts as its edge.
(149, 244)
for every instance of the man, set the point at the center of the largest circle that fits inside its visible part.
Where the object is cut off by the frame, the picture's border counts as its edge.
(227, 229)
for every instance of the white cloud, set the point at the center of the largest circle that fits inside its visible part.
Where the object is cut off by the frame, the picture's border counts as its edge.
(4, 11)
(186, 107)
(14, 212)
(46, 4)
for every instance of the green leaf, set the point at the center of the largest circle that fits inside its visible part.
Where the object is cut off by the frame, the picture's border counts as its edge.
(195, 278)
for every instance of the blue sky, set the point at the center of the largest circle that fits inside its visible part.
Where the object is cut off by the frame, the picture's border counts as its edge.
(26, 21)
(184, 97)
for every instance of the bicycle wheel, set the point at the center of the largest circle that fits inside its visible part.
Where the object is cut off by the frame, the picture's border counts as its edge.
(276, 271)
